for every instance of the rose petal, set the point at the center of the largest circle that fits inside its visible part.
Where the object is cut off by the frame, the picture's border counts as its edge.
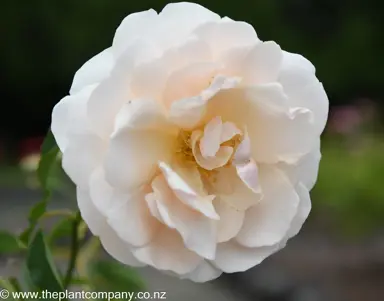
(263, 63)
(187, 185)
(189, 112)
(131, 219)
(198, 231)
(230, 221)
(211, 139)
(203, 272)
(93, 71)
(226, 34)
(118, 249)
(232, 257)
(69, 116)
(135, 26)
(137, 145)
(167, 252)
(304, 90)
(98, 226)
(82, 156)
(229, 131)
(271, 125)
(267, 223)
(232, 190)
(302, 212)
(93, 218)
(294, 61)
(100, 191)
(306, 169)
(221, 158)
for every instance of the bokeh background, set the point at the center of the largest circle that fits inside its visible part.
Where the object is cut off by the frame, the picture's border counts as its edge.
(339, 255)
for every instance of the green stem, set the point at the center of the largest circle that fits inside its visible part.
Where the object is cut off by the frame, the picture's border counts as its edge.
(74, 251)
(54, 213)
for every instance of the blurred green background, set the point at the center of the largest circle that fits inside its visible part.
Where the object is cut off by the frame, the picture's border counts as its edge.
(44, 42)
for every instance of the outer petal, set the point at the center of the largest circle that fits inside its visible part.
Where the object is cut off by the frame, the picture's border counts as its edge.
(107, 99)
(232, 257)
(135, 26)
(97, 224)
(118, 249)
(182, 18)
(294, 60)
(267, 223)
(138, 144)
(203, 273)
(69, 116)
(306, 170)
(188, 187)
(100, 191)
(198, 231)
(167, 252)
(95, 221)
(304, 90)
(226, 34)
(230, 221)
(82, 156)
(263, 63)
(93, 71)
(302, 212)
(131, 219)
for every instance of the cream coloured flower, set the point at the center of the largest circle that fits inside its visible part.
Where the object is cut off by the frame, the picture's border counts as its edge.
(192, 143)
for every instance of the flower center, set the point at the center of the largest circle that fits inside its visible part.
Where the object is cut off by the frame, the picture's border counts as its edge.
(209, 149)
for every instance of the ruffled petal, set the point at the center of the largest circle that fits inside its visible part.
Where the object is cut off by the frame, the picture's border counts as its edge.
(263, 63)
(230, 221)
(232, 257)
(82, 156)
(188, 113)
(277, 133)
(141, 139)
(118, 249)
(69, 116)
(221, 157)
(222, 36)
(167, 252)
(135, 26)
(267, 223)
(93, 218)
(305, 206)
(132, 220)
(198, 231)
(230, 189)
(187, 185)
(100, 191)
(204, 272)
(93, 71)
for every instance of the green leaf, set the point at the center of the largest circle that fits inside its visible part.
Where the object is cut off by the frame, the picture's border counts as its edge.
(64, 228)
(41, 269)
(111, 276)
(48, 163)
(49, 143)
(10, 243)
(36, 212)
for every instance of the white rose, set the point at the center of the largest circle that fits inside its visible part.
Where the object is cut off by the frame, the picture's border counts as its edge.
(192, 143)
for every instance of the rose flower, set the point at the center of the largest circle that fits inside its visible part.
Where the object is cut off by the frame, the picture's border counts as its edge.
(192, 143)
